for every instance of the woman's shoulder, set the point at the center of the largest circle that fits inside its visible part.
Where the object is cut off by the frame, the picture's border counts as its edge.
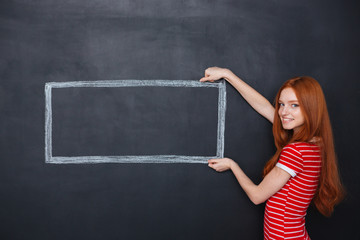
(292, 148)
(295, 144)
(299, 146)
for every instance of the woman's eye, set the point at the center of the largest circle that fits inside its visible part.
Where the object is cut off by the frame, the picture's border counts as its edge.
(281, 104)
(294, 105)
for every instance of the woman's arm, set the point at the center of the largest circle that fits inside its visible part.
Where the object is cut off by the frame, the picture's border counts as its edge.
(255, 99)
(270, 185)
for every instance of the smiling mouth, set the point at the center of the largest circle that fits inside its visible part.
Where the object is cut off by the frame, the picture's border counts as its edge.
(287, 120)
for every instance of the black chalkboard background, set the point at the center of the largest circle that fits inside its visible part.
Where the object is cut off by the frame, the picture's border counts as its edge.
(264, 42)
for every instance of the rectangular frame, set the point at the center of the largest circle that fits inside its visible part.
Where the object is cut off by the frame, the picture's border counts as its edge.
(49, 158)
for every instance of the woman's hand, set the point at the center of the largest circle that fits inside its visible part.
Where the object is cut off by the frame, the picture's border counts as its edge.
(215, 73)
(220, 164)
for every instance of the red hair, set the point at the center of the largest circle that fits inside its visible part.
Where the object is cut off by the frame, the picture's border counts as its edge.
(316, 126)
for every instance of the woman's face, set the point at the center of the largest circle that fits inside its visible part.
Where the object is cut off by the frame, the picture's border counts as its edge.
(289, 110)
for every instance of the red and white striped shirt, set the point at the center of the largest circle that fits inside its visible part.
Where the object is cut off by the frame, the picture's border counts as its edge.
(285, 211)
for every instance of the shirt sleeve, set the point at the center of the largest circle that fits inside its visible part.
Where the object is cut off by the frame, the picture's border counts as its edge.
(290, 160)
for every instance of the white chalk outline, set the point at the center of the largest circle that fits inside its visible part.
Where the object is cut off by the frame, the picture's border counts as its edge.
(49, 158)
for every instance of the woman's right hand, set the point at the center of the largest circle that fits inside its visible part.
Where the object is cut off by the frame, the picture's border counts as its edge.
(221, 164)
(215, 73)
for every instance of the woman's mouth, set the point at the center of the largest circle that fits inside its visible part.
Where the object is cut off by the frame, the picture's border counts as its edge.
(287, 120)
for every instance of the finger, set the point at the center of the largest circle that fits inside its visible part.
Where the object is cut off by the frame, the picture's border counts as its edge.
(218, 169)
(217, 159)
(212, 166)
(204, 79)
(212, 161)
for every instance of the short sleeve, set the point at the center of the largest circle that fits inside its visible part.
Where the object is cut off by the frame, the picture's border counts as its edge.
(290, 160)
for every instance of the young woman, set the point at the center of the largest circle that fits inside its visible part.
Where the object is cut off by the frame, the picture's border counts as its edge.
(304, 167)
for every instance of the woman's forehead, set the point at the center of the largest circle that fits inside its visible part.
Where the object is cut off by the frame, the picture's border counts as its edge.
(288, 95)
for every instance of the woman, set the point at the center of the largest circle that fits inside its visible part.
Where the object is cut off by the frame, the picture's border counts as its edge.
(304, 167)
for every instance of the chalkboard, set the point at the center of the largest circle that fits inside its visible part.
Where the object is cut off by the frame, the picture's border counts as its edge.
(47, 42)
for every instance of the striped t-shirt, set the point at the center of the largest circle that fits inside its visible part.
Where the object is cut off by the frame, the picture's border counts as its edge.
(285, 211)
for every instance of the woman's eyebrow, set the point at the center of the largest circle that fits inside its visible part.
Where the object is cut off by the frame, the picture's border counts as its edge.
(290, 101)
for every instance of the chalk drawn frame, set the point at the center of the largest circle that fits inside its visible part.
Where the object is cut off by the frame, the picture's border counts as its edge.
(49, 158)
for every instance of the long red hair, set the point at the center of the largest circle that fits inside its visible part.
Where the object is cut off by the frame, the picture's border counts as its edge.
(316, 126)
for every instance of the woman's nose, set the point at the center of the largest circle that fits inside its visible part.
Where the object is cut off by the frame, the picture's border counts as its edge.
(284, 110)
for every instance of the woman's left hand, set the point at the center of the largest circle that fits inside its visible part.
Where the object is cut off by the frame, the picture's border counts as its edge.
(220, 164)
